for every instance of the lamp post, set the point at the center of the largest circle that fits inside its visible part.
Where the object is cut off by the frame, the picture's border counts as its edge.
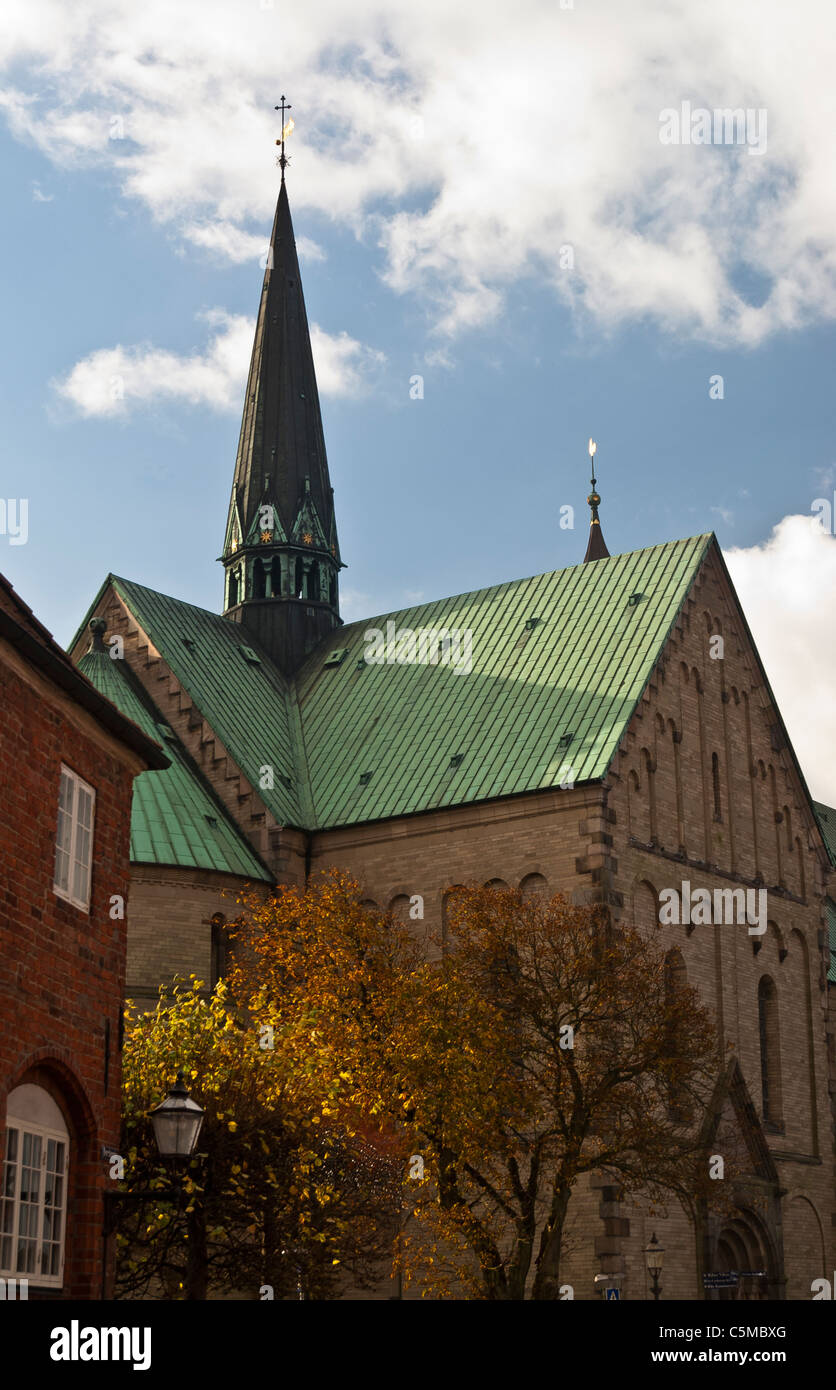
(176, 1123)
(654, 1255)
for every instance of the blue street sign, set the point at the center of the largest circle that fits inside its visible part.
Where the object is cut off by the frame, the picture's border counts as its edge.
(613, 1295)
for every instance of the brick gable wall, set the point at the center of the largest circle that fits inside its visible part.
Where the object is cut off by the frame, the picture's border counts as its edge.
(61, 969)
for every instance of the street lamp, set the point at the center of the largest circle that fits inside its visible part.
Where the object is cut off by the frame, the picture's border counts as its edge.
(177, 1122)
(654, 1255)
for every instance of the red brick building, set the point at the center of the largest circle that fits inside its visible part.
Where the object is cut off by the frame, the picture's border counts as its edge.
(67, 762)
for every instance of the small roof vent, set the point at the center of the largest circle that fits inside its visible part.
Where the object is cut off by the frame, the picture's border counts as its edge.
(336, 657)
(249, 655)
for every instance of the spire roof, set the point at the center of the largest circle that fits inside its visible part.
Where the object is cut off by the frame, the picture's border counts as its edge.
(281, 455)
(596, 546)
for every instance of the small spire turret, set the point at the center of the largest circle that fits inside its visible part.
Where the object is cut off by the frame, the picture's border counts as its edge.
(597, 546)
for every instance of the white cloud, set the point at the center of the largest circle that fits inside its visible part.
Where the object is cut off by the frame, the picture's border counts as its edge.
(354, 605)
(474, 141)
(787, 587)
(232, 243)
(38, 195)
(112, 382)
(341, 362)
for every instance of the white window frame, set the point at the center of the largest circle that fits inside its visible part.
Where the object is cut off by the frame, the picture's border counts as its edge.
(61, 890)
(35, 1277)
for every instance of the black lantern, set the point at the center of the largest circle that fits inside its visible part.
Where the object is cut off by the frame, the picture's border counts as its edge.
(177, 1121)
(654, 1255)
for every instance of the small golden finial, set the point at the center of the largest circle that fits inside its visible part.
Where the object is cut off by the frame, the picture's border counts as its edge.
(287, 129)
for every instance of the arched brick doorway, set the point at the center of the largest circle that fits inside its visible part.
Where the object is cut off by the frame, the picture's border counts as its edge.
(744, 1248)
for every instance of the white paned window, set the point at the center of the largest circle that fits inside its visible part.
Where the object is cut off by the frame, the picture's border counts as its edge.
(33, 1198)
(74, 840)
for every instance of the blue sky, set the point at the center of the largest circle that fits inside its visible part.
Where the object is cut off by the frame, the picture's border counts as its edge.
(425, 249)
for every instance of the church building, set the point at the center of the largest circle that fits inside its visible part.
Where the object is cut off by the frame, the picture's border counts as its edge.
(606, 731)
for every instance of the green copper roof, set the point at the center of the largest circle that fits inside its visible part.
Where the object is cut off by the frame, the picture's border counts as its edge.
(234, 685)
(559, 662)
(175, 817)
(826, 817)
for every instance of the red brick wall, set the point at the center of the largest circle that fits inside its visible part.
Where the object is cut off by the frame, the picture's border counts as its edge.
(62, 970)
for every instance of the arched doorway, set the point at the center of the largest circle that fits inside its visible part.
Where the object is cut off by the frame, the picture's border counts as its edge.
(744, 1248)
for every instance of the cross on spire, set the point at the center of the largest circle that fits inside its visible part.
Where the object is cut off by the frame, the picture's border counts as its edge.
(287, 127)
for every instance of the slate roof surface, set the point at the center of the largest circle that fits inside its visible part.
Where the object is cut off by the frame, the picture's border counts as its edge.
(175, 817)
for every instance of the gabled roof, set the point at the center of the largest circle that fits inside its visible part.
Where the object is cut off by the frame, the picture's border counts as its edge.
(175, 816)
(559, 663)
(20, 627)
(239, 691)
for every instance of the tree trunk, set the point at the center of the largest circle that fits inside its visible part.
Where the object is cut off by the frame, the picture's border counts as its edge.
(547, 1278)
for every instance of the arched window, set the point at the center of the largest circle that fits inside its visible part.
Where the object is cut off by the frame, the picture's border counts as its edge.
(446, 924)
(770, 1048)
(645, 907)
(650, 777)
(233, 589)
(715, 784)
(533, 886)
(313, 581)
(399, 908)
(220, 949)
(299, 578)
(259, 579)
(33, 1196)
(333, 591)
(275, 576)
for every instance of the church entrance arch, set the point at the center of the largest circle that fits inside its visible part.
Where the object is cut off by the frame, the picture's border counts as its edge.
(744, 1248)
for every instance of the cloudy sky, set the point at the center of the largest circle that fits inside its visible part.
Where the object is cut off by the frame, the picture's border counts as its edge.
(493, 197)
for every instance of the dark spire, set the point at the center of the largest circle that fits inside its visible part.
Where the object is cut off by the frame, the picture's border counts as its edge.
(281, 552)
(597, 546)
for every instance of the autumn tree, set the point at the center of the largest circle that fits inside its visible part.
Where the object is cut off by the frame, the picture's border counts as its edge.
(544, 1044)
(278, 1194)
(560, 1046)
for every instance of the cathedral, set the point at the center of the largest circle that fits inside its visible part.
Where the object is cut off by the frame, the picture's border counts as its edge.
(606, 731)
